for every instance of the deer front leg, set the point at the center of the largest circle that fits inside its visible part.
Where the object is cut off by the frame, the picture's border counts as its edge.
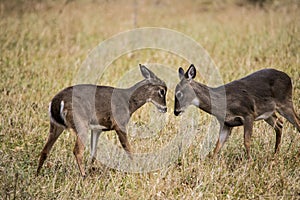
(124, 142)
(94, 141)
(223, 136)
(80, 130)
(248, 128)
(78, 153)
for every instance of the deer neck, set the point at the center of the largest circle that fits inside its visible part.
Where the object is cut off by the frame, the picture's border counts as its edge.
(203, 94)
(138, 96)
(211, 100)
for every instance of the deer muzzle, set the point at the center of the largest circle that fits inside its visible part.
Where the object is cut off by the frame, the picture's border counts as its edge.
(176, 112)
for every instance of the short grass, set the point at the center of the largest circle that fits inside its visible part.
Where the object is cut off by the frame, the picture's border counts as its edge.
(42, 47)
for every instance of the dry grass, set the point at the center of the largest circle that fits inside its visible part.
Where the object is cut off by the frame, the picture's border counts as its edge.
(42, 47)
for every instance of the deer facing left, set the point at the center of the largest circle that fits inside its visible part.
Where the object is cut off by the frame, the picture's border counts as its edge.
(258, 96)
(100, 108)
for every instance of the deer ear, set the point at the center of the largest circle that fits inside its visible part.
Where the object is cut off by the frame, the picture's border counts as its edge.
(146, 72)
(191, 72)
(180, 73)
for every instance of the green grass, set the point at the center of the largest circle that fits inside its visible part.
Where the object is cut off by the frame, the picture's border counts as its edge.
(42, 47)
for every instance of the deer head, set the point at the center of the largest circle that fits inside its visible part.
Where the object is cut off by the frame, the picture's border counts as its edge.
(155, 89)
(184, 92)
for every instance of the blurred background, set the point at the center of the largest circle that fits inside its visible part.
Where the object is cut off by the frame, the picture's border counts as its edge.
(42, 47)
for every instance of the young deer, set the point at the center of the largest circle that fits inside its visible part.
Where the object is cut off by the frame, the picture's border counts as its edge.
(100, 108)
(255, 97)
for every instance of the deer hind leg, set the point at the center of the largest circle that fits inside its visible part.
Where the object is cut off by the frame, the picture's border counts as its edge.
(276, 123)
(288, 112)
(223, 136)
(94, 141)
(248, 129)
(54, 133)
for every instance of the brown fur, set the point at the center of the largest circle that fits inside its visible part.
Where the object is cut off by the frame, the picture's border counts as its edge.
(239, 103)
(100, 108)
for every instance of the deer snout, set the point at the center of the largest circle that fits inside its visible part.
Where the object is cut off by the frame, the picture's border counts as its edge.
(177, 108)
(176, 113)
(163, 109)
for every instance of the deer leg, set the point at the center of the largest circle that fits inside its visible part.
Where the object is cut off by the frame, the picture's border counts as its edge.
(289, 113)
(124, 142)
(276, 123)
(248, 129)
(78, 153)
(223, 136)
(81, 130)
(54, 133)
(94, 141)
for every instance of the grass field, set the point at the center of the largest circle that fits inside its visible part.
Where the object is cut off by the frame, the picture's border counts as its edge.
(43, 44)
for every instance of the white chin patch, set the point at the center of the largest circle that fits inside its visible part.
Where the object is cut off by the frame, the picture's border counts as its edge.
(196, 102)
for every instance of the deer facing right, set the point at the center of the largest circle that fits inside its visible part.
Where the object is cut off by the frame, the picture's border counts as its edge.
(100, 108)
(257, 96)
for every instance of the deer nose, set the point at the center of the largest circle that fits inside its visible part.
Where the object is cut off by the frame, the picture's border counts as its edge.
(176, 113)
(163, 110)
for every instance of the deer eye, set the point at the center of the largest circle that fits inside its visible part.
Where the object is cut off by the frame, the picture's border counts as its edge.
(162, 92)
(179, 95)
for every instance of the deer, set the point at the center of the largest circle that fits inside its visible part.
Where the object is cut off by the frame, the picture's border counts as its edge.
(258, 96)
(85, 107)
